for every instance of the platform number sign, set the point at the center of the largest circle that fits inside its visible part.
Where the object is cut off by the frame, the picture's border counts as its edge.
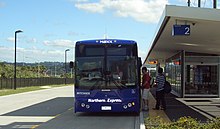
(181, 30)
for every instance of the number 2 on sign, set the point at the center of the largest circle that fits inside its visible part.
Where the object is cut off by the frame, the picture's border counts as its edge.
(187, 31)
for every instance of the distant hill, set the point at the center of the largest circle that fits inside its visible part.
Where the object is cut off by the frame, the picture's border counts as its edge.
(28, 70)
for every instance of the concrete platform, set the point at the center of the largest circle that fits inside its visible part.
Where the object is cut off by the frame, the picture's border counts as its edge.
(201, 109)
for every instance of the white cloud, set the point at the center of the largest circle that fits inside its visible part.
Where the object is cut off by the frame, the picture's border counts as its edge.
(54, 51)
(60, 43)
(32, 40)
(33, 55)
(148, 11)
(91, 7)
(11, 39)
(6, 54)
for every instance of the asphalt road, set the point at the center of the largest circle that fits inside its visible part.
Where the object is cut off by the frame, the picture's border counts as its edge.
(70, 120)
(53, 109)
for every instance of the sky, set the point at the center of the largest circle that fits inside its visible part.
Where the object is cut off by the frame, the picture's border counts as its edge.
(52, 26)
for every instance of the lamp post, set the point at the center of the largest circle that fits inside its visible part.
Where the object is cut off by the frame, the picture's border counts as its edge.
(18, 31)
(65, 63)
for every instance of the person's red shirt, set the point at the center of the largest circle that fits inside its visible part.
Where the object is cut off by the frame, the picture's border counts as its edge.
(146, 81)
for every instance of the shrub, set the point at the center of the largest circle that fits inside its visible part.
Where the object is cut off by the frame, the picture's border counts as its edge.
(181, 123)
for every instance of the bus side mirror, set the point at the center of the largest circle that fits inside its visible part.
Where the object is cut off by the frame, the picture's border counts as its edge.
(71, 64)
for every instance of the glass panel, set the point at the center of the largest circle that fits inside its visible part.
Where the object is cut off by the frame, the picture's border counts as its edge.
(106, 66)
(201, 79)
(121, 71)
(116, 51)
(173, 73)
(89, 72)
(89, 50)
(94, 51)
(178, 76)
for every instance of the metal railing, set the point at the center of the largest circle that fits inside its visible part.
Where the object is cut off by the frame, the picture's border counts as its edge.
(8, 83)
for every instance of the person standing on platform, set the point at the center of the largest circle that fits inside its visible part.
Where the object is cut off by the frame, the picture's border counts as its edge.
(145, 88)
(160, 80)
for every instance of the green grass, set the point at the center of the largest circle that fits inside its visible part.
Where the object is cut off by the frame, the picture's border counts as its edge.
(4, 92)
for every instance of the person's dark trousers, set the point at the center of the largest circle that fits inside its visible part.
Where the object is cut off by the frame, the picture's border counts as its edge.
(160, 99)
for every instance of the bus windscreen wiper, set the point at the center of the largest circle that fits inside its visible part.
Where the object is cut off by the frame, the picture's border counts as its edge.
(117, 83)
(97, 84)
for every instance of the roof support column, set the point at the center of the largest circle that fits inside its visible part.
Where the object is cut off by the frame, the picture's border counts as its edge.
(214, 4)
(188, 3)
(183, 73)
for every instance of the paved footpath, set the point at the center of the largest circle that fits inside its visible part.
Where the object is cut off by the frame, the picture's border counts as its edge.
(201, 109)
(154, 113)
(12, 106)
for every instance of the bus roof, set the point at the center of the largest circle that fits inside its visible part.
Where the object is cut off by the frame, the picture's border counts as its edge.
(106, 41)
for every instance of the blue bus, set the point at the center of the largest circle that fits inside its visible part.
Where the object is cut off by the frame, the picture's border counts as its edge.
(107, 76)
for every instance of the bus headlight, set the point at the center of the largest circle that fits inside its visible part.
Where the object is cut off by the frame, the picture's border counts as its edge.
(125, 106)
(87, 106)
(129, 104)
(83, 104)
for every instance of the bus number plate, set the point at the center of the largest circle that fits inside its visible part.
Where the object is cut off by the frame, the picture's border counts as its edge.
(106, 108)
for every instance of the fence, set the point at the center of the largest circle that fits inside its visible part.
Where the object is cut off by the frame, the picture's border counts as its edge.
(8, 83)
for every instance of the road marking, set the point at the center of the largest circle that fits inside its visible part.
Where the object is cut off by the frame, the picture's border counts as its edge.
(35, 126)
(57, 115)
(22, 126)
(70, 109)
(7, 120)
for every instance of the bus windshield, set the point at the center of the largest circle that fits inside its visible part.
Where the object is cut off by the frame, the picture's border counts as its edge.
(105, 68)
(90, 72)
